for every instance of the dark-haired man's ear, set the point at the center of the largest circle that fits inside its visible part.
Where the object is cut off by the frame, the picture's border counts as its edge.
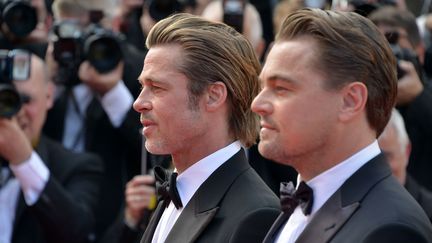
(354, 97)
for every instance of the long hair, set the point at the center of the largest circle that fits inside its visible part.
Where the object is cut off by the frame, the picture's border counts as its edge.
(215, 52)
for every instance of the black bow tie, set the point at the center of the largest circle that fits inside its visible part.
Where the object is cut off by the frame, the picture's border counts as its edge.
(166, 187)
(291, 198)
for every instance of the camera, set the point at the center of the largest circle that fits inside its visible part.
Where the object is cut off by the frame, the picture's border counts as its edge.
(14, 66)
(73, 44)
(233, 13)
(402, 54)
(18, 16)
(160, 9)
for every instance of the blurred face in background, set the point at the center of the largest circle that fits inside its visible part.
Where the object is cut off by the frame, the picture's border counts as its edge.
(39, 98)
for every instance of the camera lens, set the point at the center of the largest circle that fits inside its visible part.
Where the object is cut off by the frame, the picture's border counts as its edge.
(20, 18)
(103, 52)
(10, 101)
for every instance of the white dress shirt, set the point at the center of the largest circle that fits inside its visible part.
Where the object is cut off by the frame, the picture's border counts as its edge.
(324, 186)
(116, 103)
(32, 176)
(188, 183)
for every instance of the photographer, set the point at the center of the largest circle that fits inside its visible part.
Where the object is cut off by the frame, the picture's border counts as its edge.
(414, 90)
(93, 108)
(242, 16)
(49, 194)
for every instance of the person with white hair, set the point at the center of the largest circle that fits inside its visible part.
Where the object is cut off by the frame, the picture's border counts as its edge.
(395, 144)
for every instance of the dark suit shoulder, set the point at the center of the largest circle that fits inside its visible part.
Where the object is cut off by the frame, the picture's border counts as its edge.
(62, 161)
(248, 209)
(387, 212)
(254, 190)
(396, 233)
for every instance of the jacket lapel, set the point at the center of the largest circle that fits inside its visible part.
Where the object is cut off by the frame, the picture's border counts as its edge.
(344, 202)
(190, 222)
(328, 220)
(280, 221)
(204, 204)
(151, 227)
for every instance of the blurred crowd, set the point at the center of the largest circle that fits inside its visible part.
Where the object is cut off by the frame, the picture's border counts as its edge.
(73, 164)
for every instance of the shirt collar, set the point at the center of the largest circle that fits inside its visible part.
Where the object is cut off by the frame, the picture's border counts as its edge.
(328, 182)
(191, 179)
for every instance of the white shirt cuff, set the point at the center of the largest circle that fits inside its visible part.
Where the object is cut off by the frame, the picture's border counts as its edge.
(117, 103)
(33, 176)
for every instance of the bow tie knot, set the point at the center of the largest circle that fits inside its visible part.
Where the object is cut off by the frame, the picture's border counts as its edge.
(291, 198)
(166, 187)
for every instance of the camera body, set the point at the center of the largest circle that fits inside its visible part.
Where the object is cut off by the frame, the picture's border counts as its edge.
(14, 66)
(74, 44)
(18, 16)
(233, 13)
(402, 54)
(160, 9)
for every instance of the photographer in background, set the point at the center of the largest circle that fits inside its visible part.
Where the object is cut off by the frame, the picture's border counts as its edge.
(414, 97)
(24, 24)
(47, 194)
(93, 107)
(242, 16)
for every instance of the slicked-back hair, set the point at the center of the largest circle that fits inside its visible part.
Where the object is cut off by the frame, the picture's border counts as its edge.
(350, 48)
(214, 52)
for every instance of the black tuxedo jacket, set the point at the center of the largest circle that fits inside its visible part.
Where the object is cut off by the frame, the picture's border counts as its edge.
(371, 206)
(119, 148)
(232, 205)
(64, 211)
(421, 194)
(418, 119)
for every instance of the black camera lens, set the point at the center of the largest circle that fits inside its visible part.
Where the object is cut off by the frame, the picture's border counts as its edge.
(160, 9)
(19, 17)
(10, 101)
(66, 51)
(103, 52)
(233, 14)
(14, 66)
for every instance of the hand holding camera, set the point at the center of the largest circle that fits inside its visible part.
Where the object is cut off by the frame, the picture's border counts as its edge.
(409, 85)
(74, 45)
(15, 147)
(100, 82)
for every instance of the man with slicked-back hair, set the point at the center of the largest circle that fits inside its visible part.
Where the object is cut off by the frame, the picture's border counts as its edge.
(198, 81)
(329, 86)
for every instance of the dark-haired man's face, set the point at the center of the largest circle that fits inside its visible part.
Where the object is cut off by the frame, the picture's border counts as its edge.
(298, 115)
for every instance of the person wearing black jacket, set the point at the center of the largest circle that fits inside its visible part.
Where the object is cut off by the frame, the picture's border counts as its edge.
(48, 194)
(95, 113)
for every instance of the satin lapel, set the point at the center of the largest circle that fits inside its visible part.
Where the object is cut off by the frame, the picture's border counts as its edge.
(345, 201)
(328, 220)
(205, 203)
(151, 227)
(192, 224)
(280, 221)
